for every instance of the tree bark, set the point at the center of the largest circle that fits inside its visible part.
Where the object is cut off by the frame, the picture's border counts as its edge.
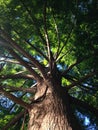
(51, 113)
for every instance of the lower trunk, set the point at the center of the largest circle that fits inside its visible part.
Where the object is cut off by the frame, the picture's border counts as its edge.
(50, 114)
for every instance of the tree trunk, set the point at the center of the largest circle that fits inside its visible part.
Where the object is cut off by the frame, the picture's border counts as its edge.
(51, 113)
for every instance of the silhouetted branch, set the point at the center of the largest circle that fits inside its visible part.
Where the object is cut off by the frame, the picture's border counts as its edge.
(22, 51)
(15, 99)
(14, 120)
(17, 76)
(38, 50)
(71, 66)
(84, 105)
(34, 74)
(59, 58)
(78, 82)
(69, 34)
(13, 88)
(34, 22)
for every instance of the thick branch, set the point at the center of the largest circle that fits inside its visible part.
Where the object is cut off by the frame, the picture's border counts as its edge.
(13, 88)
(17, 76)
(85, 105)
(10, 61)
(15, 99)
(22, 51)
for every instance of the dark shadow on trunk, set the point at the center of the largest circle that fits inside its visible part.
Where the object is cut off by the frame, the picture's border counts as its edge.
(53, 112)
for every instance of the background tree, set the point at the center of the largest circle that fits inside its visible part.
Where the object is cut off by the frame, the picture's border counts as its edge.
(48, 63)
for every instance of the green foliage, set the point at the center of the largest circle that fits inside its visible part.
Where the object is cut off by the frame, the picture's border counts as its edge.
(72, 28)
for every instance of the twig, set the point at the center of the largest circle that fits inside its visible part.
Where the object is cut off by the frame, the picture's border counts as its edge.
(34, 21)
(65, 43)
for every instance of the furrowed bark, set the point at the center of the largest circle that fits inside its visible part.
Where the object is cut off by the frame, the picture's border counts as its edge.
(50, 113)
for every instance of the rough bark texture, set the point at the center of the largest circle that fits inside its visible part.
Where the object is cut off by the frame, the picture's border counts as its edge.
(50, 113)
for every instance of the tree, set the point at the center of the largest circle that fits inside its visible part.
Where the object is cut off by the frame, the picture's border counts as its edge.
(48, 62)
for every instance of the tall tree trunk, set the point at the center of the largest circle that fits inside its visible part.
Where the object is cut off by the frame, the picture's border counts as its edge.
(51, 113)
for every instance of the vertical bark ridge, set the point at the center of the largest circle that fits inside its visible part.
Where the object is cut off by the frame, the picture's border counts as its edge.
(50, 114)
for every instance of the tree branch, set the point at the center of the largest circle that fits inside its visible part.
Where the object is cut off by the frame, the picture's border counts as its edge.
(84, 105)
(10, 61)
(35, 48)
(78, 82)
(34, 74)
(34, 22)
(81, 86)
(59, 58)
(71, 66)
(65, 42)
(58, 37)
(38, 50)
(50, 55)
(14, 120)
(17, 76)
(15, 99)
(22, 51)
(13, 88)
